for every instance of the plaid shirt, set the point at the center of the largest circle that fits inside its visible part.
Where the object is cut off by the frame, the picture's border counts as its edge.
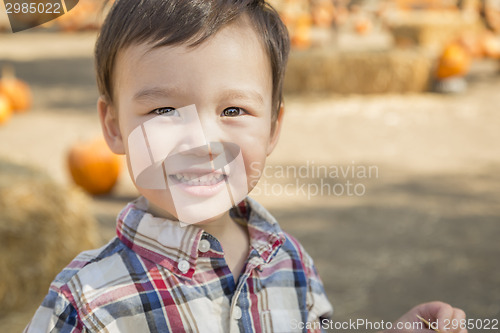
(157, 276)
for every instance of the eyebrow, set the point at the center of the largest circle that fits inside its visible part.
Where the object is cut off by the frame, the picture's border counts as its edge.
(156, 92)
(251, 95)
(163, 92)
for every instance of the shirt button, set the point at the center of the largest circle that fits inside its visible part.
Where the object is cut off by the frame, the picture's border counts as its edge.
(237, 312)
(204, 245)
(183, 266)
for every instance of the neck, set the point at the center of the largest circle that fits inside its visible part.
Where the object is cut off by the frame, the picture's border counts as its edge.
(158, 212)
(222, 227)
(233, 237)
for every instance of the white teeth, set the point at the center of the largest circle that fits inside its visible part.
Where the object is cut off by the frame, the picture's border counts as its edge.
(193, 179)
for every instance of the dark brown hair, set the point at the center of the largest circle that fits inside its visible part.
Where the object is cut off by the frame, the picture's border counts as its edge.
(171, 22)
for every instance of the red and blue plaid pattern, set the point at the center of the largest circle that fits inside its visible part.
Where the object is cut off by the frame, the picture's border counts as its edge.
(157, 276)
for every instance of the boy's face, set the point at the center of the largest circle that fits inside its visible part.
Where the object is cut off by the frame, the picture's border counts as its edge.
(195, 123)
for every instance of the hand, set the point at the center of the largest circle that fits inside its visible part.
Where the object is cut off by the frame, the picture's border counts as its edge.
(436, 313)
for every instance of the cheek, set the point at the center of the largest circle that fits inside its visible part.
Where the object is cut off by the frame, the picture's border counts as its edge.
(254, 160)
(253, 144)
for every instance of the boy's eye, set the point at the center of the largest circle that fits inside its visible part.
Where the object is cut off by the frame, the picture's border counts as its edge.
(166, 111)
(232, 112)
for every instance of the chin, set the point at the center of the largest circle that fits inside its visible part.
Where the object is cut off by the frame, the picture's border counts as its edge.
(204, 212)
(211, 220)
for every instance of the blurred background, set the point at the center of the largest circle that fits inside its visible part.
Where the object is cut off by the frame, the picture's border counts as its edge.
(390, 150)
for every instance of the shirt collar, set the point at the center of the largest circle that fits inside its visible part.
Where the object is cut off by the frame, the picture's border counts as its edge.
(167, 243)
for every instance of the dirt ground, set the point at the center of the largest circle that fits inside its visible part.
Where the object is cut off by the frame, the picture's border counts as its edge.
(419, 219)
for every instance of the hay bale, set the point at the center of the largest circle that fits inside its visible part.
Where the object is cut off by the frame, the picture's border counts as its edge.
(431, 30)
(43, 225)
(326, 71)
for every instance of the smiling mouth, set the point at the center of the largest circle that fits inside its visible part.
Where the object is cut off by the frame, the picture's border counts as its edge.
(193, 179)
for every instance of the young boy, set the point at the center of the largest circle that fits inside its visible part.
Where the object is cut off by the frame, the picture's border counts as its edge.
(191, 93)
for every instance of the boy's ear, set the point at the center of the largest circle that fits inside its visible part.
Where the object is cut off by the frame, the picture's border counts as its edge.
(276, 130)
(110, 127)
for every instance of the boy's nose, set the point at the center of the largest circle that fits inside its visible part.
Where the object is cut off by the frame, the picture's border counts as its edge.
(202, 136)
(223, 153)
(193, 140)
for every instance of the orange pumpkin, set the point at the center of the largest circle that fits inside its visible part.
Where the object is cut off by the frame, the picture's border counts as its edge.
(82, 17)
(94, 167)
(363, 26)
(5, 109)
(17, 91)
(426, 4)
(454, 61)
(323, 14)
(490, 44)
(341, 16)
(301, 31)
(301, 37)
(304, 20)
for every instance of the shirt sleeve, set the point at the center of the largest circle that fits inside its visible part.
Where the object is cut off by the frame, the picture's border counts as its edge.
(318, 306)
(317, 302)
(55, 315)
